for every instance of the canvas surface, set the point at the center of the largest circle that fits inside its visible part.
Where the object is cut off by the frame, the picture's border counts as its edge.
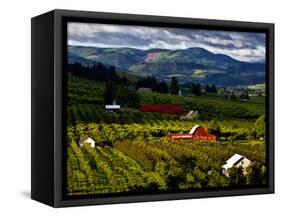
(153, 110)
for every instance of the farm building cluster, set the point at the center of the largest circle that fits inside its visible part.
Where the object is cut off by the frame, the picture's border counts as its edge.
(197, 132)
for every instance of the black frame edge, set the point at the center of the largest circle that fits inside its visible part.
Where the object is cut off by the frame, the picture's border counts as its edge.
(270, 109)
(59, 200)
(42, 62)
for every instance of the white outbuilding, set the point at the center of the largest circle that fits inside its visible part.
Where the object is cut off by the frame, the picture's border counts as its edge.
(112, 108)
(144, 90)
(85, 140)
(189, 116)
(236, 160)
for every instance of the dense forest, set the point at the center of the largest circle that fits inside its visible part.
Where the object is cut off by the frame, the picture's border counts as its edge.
(98, 72)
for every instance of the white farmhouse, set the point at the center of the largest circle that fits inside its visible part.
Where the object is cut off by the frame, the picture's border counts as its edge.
(112, 108)
(236, 160)
(87, 139)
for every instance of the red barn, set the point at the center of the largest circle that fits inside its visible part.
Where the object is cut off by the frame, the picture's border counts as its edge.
(196, 133)
(165, 109)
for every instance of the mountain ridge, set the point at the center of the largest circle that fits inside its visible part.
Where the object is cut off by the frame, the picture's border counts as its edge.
(194, 64)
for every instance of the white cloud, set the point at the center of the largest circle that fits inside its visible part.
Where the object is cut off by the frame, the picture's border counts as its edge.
(241, 46)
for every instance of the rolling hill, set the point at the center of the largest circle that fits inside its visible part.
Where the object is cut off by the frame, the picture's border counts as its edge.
(193, 64)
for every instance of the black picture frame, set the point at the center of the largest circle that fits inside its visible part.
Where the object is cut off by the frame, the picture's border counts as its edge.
(48, 35)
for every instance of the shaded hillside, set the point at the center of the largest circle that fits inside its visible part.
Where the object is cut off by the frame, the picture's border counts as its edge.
(192, 64)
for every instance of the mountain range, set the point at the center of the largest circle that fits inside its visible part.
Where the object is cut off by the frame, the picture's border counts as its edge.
(188, 65)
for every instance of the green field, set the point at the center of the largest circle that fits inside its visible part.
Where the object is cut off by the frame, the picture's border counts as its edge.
(142, 159)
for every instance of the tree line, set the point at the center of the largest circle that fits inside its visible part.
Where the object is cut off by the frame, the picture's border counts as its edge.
(101, 72)
(98, 72)
(159, 86)
(124, 95)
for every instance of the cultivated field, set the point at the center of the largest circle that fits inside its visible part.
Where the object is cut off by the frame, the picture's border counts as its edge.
(133, 153)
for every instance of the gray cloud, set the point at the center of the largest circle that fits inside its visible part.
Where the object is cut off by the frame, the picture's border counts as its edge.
(243, 46)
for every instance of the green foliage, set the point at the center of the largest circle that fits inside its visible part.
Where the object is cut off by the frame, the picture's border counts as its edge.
(162, 87)
(174, 87)
(153, 84)
(207, 88)
(196, 89)
(211, 89)
(257, 175)
(244, 96)
(216, 179)
(126, 96)
(236, 176)
(109, 92)
(260, 126)
(213, 128)
(80, 176)
(233, 96)
(95, 71)
(82, 90)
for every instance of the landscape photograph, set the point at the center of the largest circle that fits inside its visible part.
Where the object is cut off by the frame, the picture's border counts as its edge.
(158, 109)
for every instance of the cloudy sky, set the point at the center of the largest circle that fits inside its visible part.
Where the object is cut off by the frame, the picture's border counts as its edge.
(239, 45)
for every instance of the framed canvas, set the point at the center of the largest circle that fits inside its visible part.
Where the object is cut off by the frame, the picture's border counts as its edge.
(134, 108)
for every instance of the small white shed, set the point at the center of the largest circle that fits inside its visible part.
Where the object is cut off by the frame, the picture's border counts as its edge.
(189, 116)
(236, 160)
(87, 139)
(112, 108)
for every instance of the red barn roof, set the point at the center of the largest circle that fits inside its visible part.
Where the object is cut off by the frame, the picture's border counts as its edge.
(196, 133)
(168, 109)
